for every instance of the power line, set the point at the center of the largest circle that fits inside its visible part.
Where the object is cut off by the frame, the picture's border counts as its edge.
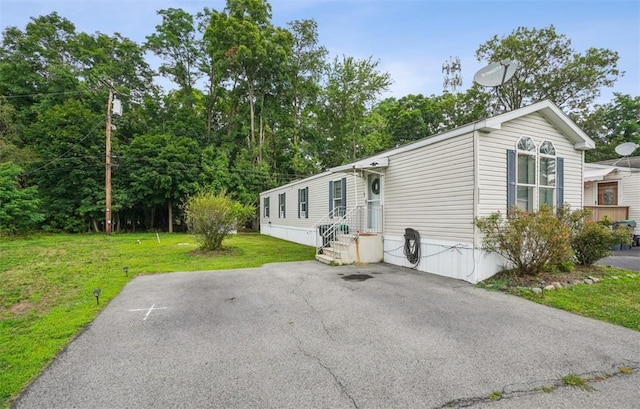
(61, 156)
(43, 94)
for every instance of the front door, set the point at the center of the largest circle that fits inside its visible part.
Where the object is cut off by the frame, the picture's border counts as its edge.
(374, 203)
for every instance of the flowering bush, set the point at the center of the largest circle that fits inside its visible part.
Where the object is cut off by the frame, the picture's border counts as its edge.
(531, 241)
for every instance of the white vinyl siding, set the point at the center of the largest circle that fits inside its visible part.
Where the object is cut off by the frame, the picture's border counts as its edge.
(631, 195)
(430, 189)
(318, 198)
(493, 161)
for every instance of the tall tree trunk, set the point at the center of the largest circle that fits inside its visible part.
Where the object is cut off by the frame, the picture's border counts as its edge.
(170, 216)
(261, 132)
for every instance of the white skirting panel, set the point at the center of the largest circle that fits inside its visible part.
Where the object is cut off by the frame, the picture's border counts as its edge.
(295, 234)
(457, 260)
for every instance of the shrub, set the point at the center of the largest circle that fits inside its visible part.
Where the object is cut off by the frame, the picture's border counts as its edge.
(590, 240)
(594, 241)
(211, 217)
(531, 241)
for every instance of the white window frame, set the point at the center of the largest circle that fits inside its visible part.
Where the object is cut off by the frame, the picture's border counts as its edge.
(282, 205)
(527, 148)
(338, 206)
(547, 151)
(303, 203)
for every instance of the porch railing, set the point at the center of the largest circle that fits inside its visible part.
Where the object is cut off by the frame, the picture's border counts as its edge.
(351, 222)
(613, 213)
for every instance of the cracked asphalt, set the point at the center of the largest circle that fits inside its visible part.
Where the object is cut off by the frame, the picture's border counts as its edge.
(298, 335)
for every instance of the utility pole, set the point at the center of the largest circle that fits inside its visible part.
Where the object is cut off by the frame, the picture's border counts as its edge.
(107, 179)
(113, 106)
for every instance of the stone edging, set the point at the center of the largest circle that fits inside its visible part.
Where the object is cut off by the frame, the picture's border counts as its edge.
(587, 280)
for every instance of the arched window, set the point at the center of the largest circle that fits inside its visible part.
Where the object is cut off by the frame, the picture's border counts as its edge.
(535, 175)
(526, 173)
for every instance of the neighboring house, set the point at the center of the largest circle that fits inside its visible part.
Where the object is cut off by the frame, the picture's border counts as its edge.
(612, 189)
(431, 191)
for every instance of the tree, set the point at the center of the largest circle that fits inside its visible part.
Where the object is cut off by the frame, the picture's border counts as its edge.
(549, 68)
(177, 42)
(212, 216)
(612, 124)
(19, 207)
(352, 87)
(69, 139)
(161, 170)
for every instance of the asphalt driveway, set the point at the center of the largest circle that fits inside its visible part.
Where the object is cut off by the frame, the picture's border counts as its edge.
(307, 335)
(628, 259)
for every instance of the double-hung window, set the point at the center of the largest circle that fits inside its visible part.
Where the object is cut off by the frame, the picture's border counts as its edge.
(526, 173)
(303, 203)
(265, 207)
(338, 197)
(547, 174)
(534, 175)
(282, 202)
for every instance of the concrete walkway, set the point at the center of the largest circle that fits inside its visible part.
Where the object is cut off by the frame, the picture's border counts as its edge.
(307, 335)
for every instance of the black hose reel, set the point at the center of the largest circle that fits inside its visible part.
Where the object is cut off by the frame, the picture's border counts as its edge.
(412, 245)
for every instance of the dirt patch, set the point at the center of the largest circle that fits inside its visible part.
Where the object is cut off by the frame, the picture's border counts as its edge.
(21, 308)
(223, 252)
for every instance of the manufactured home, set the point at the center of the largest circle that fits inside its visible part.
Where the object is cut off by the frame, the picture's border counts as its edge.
(612, 189)
(415, 205)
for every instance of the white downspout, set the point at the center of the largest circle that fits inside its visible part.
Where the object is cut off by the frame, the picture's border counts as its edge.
(476, 199)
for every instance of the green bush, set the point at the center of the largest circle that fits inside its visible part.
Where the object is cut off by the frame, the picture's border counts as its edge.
(211, 217)
(595, 240)
(531, 241)
(590, 240)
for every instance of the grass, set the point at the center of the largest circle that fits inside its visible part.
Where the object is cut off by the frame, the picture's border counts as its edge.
(614, 299)
(576, 381)
(47, 283)
(495, 395)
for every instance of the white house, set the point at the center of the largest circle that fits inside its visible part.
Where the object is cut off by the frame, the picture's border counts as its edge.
(612, 189)
(415, 205)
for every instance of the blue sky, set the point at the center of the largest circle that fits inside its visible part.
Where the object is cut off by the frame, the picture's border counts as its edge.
(411, 38)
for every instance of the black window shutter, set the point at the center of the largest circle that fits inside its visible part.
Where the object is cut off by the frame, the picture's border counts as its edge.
(559, 182)
(284, 205)
(511, 178)
(306, 215)
(330, 196)
(299, 197)
(344, 195)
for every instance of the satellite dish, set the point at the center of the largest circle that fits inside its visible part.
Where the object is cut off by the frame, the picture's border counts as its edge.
(627, 148)
(496, 74)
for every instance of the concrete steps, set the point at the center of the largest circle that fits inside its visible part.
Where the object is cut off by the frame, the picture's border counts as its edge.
(340, 251)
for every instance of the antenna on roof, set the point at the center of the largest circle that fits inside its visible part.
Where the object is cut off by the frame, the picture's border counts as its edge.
(496, 74)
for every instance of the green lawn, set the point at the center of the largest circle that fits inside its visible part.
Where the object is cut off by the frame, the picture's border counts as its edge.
(47, 282)
(615, 298)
